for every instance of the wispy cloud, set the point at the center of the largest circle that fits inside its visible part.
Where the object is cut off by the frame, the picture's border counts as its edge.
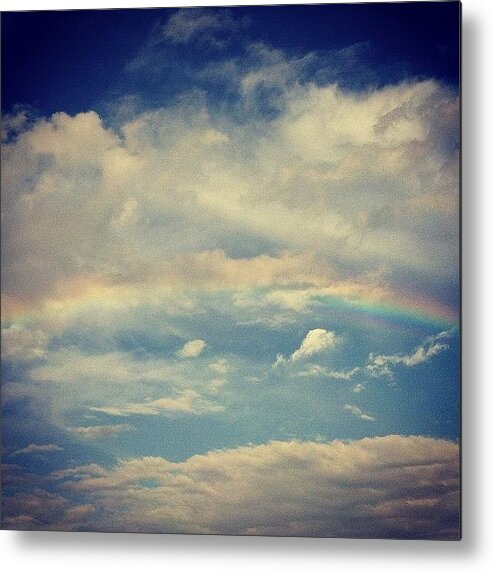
(359, 413)
(221, 366)
(189, 402)
(381, 365)
(99, 431)
(315, 370)
(33, 449)
(207, 27)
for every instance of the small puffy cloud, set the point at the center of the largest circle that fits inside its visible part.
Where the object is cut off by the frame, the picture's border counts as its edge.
(315, 341)
(33, 448)
(359, 413)
(188, 402)
(99, 431)
(191, 349)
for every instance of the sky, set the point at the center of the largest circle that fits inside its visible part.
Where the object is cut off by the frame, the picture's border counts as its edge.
(230, 270)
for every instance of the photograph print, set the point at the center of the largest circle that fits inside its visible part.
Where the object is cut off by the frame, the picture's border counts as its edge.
(230, 254)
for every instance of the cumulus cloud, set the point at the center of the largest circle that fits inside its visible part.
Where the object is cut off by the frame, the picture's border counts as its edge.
(394, 486)
(229, 187)
(33, 448)
(191, 349)
(359, 413)
(315, 341)
(378, 365)
(188, 402)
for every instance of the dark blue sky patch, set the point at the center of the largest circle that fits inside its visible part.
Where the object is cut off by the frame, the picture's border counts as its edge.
(78, 60)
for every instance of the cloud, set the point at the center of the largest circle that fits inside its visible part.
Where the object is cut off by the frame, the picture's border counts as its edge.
(315, 370)
(34, 449)
(381, 365)
(99, 431)
(315, 341)
(192, 349)
(359, 413)
(71, 365)
(383, 487)
(188, 402)
(23, 344)
(387, 198)
(212, 28)
(39, 509)
(216, 385)
(221, 366)
(358, 388)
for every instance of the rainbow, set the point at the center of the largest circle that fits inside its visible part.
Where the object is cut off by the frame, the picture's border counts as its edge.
(404, 313)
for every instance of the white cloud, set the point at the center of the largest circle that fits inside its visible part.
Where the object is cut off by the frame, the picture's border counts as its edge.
(33, 449)
(383, 487)
(189, 402)
(191, 349)
(381, 365)
(315, 341)
(359, 413)
(382, 187)
(315, 370)
(99, 431)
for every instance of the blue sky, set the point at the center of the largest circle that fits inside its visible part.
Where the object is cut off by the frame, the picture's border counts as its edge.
(230, 287)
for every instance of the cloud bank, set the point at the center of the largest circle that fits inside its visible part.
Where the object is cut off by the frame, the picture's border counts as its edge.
(385, 487)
